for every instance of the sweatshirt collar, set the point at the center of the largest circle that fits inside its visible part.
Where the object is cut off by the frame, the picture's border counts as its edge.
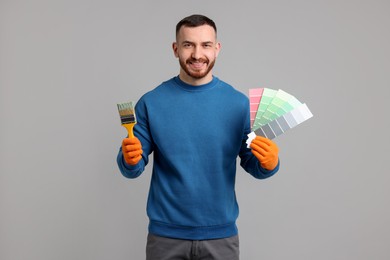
(189, 87)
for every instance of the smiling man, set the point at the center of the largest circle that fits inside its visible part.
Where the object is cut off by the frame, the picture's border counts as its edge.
(195, 125)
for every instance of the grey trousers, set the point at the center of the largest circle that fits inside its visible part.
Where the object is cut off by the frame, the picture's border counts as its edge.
(162, 248)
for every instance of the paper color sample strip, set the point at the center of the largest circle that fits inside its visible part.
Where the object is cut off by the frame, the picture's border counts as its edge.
(255, 95)
(282, 123)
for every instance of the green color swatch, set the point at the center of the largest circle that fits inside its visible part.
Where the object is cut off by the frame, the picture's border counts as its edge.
(281, 104)
(266, 99)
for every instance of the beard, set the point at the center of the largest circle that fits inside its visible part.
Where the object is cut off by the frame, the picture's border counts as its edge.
(197, 74)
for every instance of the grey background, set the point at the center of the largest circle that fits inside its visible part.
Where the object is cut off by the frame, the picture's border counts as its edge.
(65, 64)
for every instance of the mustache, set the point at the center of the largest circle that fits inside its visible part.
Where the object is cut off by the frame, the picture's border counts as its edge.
(192, 60)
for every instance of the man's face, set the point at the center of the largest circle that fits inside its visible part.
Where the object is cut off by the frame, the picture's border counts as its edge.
(197, 49)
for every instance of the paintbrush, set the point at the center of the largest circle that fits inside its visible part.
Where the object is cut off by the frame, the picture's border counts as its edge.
(127, 115)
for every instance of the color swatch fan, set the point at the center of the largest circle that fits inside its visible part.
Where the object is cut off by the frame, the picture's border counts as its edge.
(273, 112)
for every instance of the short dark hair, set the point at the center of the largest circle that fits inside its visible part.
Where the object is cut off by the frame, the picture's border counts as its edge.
(195, 20)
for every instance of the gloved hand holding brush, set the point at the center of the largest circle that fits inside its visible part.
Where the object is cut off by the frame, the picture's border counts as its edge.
(132, 150)
(266, 151)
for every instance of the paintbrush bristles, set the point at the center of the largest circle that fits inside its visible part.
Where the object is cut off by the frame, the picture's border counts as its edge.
(127, 113)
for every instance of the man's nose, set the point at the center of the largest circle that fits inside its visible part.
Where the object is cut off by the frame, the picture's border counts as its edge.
(196, 52)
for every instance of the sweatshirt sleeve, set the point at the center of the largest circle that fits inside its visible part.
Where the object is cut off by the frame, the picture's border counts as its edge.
(251, 165)
(141, 131)
(129, 171)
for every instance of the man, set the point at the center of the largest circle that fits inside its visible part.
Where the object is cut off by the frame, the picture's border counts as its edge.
(196, 125)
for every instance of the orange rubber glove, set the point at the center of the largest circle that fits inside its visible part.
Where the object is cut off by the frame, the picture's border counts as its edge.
(132, 150)
(266, 151)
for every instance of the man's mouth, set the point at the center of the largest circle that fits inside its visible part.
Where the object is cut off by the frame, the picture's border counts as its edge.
(197, 64)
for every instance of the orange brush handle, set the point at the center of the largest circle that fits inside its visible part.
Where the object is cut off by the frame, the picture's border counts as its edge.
(129, 128)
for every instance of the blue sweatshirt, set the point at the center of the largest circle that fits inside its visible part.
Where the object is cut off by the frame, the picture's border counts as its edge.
(195, 134)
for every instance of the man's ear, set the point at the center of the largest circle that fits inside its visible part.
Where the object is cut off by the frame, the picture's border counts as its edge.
(218, 48)
(174, 48)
